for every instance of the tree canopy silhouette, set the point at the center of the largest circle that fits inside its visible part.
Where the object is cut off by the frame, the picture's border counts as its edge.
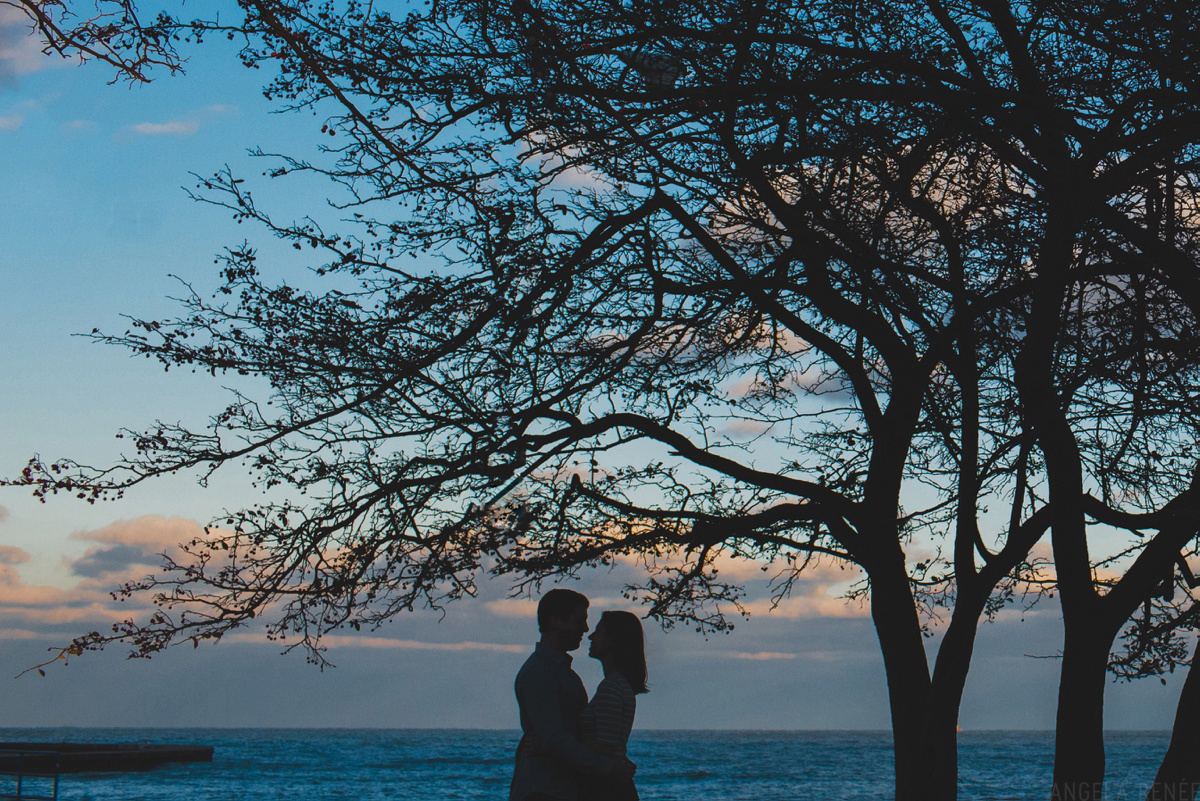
(109, 31)
(682, 282)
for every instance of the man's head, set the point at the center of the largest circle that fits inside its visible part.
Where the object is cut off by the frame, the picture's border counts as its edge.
(562, 618)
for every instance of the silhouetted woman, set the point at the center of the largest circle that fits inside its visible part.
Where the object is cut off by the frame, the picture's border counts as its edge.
(619, 644)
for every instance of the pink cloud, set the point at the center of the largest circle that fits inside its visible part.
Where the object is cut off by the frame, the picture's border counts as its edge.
(741, 428)
(91, 615)
(131, 548)
(12, 555)
(513, 607)
(17, 593)
(9, 577)
(153, 530)
(527, 607)
(817, 603)
(126, 550)
(817, 593)
(366, 641)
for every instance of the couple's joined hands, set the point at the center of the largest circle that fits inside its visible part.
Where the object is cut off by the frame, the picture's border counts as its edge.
(621, 767)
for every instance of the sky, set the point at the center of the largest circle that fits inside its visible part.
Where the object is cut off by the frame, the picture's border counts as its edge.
(95, 222)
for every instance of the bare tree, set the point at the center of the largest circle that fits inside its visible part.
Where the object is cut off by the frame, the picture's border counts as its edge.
(1108, 361)
(111, 31)
(653, 225)
(585, 247)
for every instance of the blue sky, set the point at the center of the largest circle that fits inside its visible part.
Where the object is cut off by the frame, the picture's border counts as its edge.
(94, 221)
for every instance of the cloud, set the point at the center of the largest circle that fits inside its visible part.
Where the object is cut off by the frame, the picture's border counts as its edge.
(152, 530)
(3, 513)
(126, 550)
(21, 49)
(173, 128)
(12, 555)
(557, 161)
(19, 634)
(513, 607)
(15, 116)
(365, 641)
(761, 656)
(97, 613)
(113, 559)
(824, 569)
(741, 428)
(807, 656)
(186, 126)
(818, 592)
(527, 607)
(818, 602)
(79, 126)
(129, 544)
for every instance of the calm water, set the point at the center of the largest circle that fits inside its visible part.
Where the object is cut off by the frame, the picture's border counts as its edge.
(411, 764)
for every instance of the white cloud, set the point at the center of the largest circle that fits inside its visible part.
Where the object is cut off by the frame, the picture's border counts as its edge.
(11, 122)
(185, 126)
(761, 656)
(173, 128)
(20, 49)
(79, 126)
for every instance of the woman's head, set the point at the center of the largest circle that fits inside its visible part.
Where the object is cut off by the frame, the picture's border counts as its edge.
(618, 642)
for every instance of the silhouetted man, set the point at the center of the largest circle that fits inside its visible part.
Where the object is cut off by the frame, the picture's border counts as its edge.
(550, 758)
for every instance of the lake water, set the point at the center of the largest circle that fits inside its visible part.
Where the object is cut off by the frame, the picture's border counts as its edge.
(422, 764)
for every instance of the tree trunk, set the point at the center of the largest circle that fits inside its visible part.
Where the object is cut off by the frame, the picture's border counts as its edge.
(941, 735)
(949, 679)
(1178, 776)
(898, 628)
(1079, 738)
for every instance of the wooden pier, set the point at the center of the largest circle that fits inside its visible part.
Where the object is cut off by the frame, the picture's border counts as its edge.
(51, 758)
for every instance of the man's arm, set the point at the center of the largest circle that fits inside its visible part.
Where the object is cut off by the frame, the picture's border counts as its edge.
(537, 694)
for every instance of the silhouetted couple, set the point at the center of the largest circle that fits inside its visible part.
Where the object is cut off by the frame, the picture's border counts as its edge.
(572, 749)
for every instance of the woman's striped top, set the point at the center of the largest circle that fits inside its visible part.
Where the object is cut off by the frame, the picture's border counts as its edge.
(608, 718)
